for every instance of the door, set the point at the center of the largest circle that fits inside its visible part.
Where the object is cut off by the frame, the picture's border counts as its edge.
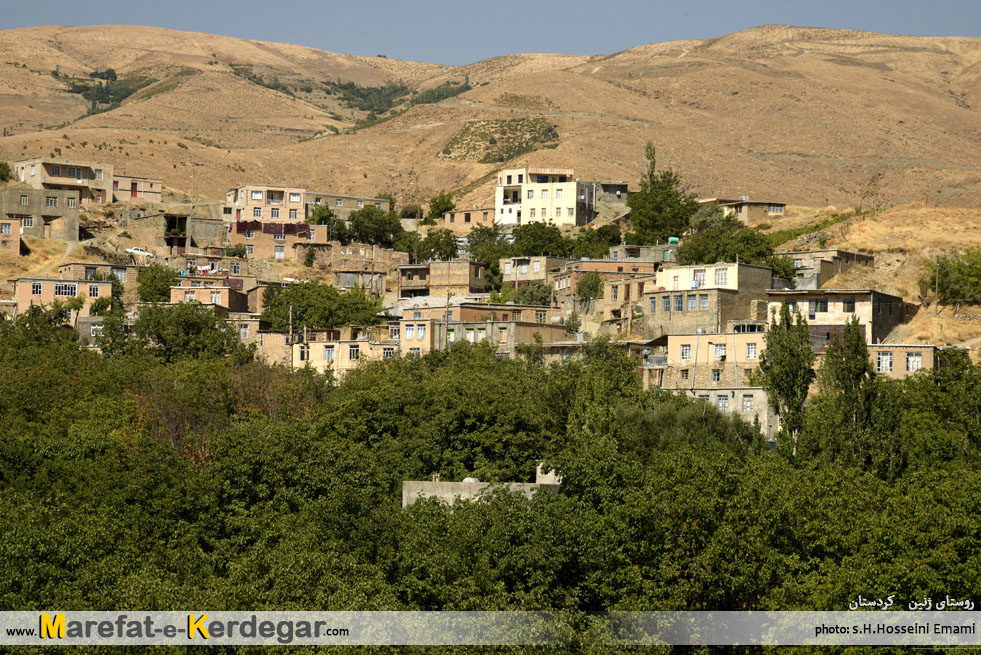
(132, 189)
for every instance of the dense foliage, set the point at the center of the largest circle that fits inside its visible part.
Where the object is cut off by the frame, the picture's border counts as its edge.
(662, 208)
(317, 306)
(725, 239)
(153, 283)
(955, 277)
(133, 483)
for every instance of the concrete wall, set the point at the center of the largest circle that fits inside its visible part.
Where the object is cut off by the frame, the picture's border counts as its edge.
(91, 181)
(126, 188)
(342, 206)
(39, 217)
(450, 492)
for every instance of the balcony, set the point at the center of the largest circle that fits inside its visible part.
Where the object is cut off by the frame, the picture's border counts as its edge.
(655, 361)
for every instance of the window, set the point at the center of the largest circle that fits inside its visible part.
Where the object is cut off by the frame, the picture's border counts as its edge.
(722, 402)
(35, 288)
(328, 353)
(98, 174)
(24, 201)
(249, 249)
(354, 353)
(56, 170)
(716, 374)
(774, 209)
(674, 281)
(65, 289)
(257, 195)
(414, 352)
(280, 252)
(416, 314)
(249, 234)
(90, 272)
(388, 353)
(361, 203)
(304, 353)
(294, 197)
(883, 362)
(502, 335)
(50, 201)
(914, 361)
(95, 330)
(558, 194)
(531, 194)
(667, 255)
(279, 237)
(685, 352)
(536, 266)
(653, 305)
(798, 263)
(721, 275)
(27, 221)
(848, 306)
(678, 303)
(558, 212)
(257, 212)
(466, 217)
(699, 277)
(482, 334)
(216, 297)
(684, 374)
(666, 303)
(572, 212)
(616, 291)
(815, 306)
(191, 263)
(70, 203)
(704, 397)
(792, 306)
(189, 296)
(521, 178)
(720, 351)
(750, 351)
(747, 403)
(691, 303)
(32, 170)
(507, 265)
(539, 316)
(508, 178)
(450, 335)
(93, 291)
(544, 194)
(4, 228)
(703, 301)
(410, 331)
(235, 268)
(275, 212)
(74, 172)
(393, 332)
(339, 203)
(421, 331)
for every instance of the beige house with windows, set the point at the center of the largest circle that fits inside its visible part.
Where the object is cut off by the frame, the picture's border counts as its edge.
(224, 297)
(10, 236)
(30, 291)
(461, 221)
(828, 310)
(526, 195)
(456, 277)
(522, 271)
(130, 188)
(342, 350)
(342, 206)
(267, 240)
(125, 273)
(91, 182)
(816, 267)
(264, 202)
(749, 212)
(41, 213)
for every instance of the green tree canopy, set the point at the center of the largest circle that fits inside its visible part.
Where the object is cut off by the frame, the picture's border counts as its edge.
(726, 240)
(5, 174)
(590, 286)
(662, 208)
(154, 283)
(375, 226)
(439, 204)
(317, 306)
(538, 238)
(438, 244)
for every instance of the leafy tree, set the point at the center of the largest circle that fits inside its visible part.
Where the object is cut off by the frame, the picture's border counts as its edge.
(438, 244)
(439, 204)
(336, 228)
(488, 245)
(172, 333)
(538, 238)
(4, 171)
(786, 370)
(956, 277)
(317, 306)
(374, 226)
(662, 208)
(724, 239)
(237, 250)
(572, 324)
(537, 293)
(590, 286)
(595, 244)
(409, 242)
(411, 211)
(154, 283)
(389, 196)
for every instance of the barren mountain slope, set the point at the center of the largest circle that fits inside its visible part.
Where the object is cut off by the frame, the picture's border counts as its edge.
(805, 115)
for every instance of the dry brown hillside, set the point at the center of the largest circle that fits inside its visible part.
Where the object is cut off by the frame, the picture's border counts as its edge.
(809, 116)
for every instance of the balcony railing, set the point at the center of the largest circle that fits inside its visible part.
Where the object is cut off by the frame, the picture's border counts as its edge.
(656, 361)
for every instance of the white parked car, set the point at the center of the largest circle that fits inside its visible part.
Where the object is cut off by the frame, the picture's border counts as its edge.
(139, 252)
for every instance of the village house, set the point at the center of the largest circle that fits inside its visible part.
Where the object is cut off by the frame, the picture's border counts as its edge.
(461, 221)
(264, 202)
(525, 195)
(40, 291)
(266, 240)
(344, 349)
(748, 212)
(828, 310)
(522, 271)
(456, 277)
(94, 183)
(666, 253)
(125, 273)
(42, 213)
(206, 264)
(342, 206)
(228, 298)
(816, 267)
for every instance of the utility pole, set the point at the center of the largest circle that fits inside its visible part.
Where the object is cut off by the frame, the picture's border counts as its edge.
(290, 339)
(192, 185)
(936, 282)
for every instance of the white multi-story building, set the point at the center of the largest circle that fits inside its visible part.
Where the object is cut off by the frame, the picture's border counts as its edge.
(526, 195)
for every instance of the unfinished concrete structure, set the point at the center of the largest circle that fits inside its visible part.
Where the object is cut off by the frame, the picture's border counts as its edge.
(41, 213)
